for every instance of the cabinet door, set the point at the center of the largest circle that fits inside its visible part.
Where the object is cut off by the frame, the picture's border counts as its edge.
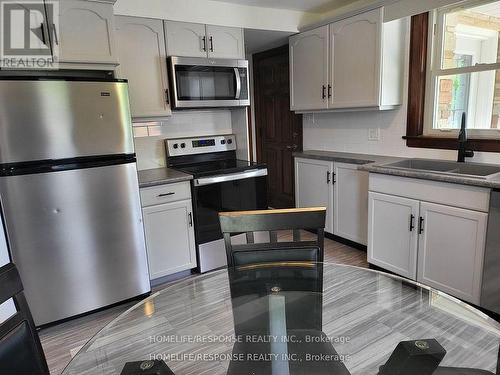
(309, 70)
(225, 42)
(169, 238)
(186, 39)
(85, 32)
(350, 203)
(313, 186)
(451, 250)
(141, 50)
(393, 234)
(356, 60)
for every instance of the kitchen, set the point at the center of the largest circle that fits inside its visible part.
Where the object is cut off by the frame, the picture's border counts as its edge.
(240, 106)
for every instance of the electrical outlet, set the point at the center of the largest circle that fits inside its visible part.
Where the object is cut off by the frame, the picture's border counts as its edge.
(374, 134)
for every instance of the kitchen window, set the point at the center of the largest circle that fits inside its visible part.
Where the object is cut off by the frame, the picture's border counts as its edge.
(459, 46)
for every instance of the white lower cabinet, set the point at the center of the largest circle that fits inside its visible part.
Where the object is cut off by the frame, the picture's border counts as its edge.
(439, 245)
(350, 193)
(169, 238)
(392, 233)
(314, 186)
(451, 250)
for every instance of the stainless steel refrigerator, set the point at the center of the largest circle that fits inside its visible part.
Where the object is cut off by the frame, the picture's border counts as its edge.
(69, 194)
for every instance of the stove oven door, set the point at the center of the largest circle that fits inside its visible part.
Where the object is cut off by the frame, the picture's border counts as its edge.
(233, 192)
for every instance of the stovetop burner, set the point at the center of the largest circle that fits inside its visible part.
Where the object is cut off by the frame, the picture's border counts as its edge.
(218, 167)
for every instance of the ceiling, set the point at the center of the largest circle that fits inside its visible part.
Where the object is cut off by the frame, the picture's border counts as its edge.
(314, 6)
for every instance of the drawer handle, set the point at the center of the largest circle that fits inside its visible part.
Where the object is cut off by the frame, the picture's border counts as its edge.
(165, 194)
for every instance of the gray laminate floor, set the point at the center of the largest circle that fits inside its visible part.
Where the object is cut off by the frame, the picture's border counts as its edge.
(63, 341)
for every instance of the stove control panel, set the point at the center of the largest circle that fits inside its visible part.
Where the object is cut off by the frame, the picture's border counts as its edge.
(200, 145)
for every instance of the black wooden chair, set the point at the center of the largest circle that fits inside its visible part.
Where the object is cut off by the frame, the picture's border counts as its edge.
(20, 350)
(272, 221)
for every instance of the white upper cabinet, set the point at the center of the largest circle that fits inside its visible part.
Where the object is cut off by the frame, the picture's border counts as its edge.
(393, 233)
(198, 40)
(86, 32)
(451, 250)
(356, 58)
(141, 51)
(350, 202)
(186, 39)
(225, 42)
(363, 67)
(314, 186)
(309, 70)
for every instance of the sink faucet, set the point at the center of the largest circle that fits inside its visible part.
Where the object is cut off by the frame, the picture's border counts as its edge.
(463, 152)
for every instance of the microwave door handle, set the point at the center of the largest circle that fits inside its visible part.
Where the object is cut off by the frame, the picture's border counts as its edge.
(238, 83)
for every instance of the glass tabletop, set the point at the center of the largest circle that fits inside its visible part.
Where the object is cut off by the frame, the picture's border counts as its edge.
(290, 318)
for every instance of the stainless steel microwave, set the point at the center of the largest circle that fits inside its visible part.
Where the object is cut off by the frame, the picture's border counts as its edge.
(201, 82)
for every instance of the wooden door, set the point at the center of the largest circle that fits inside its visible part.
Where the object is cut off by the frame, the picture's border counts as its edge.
(278, 130)
(186, 39)
(169, 238)
(451, 250)
(225, 42)
(350, 202)
(393, 233)
(309, 69)
(86, 32)
(356, 60)
(141, 50)
(314, 186)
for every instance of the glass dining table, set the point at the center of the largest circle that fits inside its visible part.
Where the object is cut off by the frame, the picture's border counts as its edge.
(294, 318)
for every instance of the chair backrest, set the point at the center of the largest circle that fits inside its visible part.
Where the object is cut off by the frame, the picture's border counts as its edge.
(20, 350)
(272, 221)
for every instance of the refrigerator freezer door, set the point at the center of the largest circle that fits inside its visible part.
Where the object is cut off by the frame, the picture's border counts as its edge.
(77, 238)
(56, 119)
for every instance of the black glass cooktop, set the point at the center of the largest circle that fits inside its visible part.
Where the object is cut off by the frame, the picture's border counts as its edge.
(213, 168)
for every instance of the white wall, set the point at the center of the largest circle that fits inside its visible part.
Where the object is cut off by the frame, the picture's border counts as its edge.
(216, 13)
(151, 151)
(348, 132)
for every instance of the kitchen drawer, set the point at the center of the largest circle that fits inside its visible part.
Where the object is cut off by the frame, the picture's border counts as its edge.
(165, 193)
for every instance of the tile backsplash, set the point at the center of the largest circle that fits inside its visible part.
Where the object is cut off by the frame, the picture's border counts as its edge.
(150, 136)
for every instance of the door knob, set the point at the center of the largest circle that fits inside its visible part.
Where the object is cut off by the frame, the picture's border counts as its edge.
(292, 147)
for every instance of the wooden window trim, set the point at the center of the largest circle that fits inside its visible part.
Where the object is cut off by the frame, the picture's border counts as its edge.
(416, 96)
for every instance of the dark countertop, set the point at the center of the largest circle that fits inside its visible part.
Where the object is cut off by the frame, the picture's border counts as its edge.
(432, 176)
(345, 157)
(376, 164)
(161, 176)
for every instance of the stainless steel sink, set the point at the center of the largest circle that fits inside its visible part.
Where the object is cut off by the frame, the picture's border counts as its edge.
(473, 170)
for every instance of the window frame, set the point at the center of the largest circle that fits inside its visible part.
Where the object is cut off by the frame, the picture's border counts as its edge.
(423, 81)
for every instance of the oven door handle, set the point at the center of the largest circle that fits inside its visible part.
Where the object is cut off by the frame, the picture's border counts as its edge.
(230, 177)
(238, 83)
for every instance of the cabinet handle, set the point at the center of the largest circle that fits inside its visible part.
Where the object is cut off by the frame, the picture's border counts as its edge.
(334, 178)
(167, 96)
(412, 222)
(421, 225)
(329, 91)
(323, 95)
(204, 45)
(165, 194)
(190, 218)
(328, 177)
(56, 38)
(211, 44)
